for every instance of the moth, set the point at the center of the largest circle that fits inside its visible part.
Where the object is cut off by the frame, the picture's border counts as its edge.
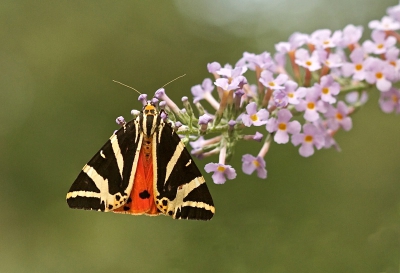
(144, 168)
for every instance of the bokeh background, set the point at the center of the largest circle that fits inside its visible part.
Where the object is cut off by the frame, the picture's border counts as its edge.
(333, 212)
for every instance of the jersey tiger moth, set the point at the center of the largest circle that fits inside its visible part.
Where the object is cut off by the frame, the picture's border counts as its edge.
(144, 168)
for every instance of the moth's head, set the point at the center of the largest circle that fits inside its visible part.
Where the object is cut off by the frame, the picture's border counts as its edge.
(150, 109)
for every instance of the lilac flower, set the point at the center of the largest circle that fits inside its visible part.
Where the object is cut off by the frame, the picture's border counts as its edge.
(304, 59)
(394, 12)
(327, 133)
(392, 57)
(390, 101)
(338, 117)
(120, 120)
(351, 35)
(251, 163)
(387, 23)
(280, 98)
(322, 38)
(161, 95)
(251, 60)
(221, 172)
(213, 67)
(380, 43)
(231, 84)
(310, 137)
(291, 93)
(356, 67)
(311, 104)
(283, 126)
(296, 40)
(143, 99)
(268, 80)
(331, 60)
(253, 117)
(203, 91)
(205, 119)
(328, 88)
(379, 72)
(232, 73)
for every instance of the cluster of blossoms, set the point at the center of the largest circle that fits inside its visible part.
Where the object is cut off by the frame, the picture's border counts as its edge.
(304, 94)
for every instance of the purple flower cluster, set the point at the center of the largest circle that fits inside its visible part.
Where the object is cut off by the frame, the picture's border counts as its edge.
(304, 93)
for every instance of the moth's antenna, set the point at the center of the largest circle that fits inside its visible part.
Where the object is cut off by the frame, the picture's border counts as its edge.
(128, 85)
(181, 76)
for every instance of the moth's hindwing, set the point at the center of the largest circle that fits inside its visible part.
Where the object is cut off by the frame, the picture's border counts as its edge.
(105, 182)
(180, 188)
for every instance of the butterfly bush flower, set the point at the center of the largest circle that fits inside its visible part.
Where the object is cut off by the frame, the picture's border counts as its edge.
(328, 88)
(283, 126)
(251, 164)
(310, 138)
(390, 101)
(380, 43)
(312, 104)
(254, 117)
(304, 93)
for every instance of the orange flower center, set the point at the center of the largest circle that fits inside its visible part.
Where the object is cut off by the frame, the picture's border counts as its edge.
(395, 98)
(282, 126)
(290, 95)
(308, 138)
(308, 63)
(221, 169)
(310, 105)
(325, 90)
(379, 75)
(255, 162)
(358, 67)
(254, 117)
(339, 116)
(271, 84)
(380, 46)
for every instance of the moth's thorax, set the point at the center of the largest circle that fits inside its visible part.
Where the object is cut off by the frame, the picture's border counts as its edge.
(149, 119)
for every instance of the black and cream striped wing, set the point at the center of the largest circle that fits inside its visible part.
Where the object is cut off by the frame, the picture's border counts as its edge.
(180, 188)
(105, 182)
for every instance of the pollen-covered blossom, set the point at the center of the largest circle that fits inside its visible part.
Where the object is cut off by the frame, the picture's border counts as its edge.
(251, 164)
(322, 38)
(292, 93)
(231, 79)
(339, 117)
(254, 117)
(380, 73)
(304, 59)
(268, 80)
(221, 172)
(311, 105)
(328, 89)
(356, 66)
(283, 126)
(380, 43)
(390, 101)
(310, 137)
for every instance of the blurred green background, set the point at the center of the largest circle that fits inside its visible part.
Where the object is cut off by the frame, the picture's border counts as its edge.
(333, 212)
